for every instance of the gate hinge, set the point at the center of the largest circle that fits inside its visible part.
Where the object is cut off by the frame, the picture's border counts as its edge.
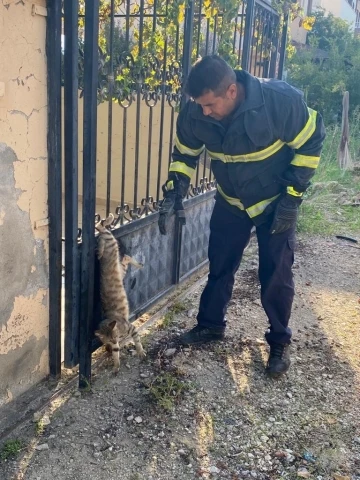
(38, 10)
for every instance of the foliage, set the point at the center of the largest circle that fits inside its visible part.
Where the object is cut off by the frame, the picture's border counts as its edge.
(167, 389)
(148, 60)
(10, 449)
(322, 211)
(328, 66)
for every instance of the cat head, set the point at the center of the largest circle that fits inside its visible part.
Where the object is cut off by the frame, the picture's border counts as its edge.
(108, 333)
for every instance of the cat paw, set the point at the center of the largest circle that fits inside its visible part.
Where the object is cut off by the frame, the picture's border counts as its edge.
(141, 355)
(116, 370)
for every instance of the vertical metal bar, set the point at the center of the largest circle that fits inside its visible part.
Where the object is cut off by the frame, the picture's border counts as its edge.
(53, 51)
(71, 182)
(235, 33)
(188, 37)
(207, 36)
(162, 112)
(283, 46)
(172, 121)
(123, 161)
(268, 45)
(110, 106)
(150, 123)
(251, 43)
(127, 24)
(199, 30)
(241, 51)
(257, 23)
(149, 154)
(249, 17)
(263, 23)
(89, 183)
(214, 36)
(138, 107)
(275, 48)
(124, 129)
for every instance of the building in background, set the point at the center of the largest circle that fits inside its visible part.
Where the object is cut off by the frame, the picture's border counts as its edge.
(348, 10)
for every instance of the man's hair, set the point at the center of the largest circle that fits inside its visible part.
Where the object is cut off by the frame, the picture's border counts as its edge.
(209, 73)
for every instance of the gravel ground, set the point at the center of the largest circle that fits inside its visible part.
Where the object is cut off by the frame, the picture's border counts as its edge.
(211, 412)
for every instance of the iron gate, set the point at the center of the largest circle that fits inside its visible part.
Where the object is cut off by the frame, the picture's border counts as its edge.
(116, 69)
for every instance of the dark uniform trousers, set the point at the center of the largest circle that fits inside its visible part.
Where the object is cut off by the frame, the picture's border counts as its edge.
(229, 235)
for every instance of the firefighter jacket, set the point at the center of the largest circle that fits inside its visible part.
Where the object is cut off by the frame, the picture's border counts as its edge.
(271, 146)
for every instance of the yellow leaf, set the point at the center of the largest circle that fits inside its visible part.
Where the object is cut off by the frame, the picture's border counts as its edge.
(181, 14)
(308, 23)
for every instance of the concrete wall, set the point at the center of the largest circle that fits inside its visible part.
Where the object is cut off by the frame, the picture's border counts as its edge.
(23, 199)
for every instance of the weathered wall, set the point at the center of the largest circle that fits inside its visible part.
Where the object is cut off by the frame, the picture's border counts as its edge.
(23, 199)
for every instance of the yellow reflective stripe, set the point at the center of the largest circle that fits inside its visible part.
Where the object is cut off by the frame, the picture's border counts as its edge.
(260, 155)
(187, 150)
(248, 157)
(259, 208)
(232, 201)
(170, 185)
(181, 167)
(293, 192)
(305, 161)
(216, 156)
(306, 132)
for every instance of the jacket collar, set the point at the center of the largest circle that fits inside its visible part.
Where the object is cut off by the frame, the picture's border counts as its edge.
(254, 97)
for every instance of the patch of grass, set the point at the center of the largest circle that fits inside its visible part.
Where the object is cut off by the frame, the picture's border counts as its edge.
(166, 389)
(321, 212)
(169, 317)
(10, 449)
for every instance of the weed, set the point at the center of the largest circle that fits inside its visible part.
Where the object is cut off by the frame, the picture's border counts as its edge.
(321, 212)
(166, 389)
(170, 314)
(10, 449)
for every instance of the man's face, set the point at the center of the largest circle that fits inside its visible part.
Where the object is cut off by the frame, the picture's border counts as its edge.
(218, 107)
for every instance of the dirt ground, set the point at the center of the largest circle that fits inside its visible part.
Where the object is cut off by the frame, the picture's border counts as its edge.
(211, 412)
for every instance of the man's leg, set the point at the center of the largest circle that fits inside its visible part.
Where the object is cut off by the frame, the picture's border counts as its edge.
(276, 257)
(229, 235)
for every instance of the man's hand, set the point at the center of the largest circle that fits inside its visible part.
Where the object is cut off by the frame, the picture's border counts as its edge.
(172, 203)
(286, 214)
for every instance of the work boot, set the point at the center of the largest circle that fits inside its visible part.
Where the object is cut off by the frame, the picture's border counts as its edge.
(199, 335)
(279, 359)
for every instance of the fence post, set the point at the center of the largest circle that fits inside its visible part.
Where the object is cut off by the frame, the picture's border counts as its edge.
(89, 181)
(188, 38)
(53, 51)
(283, 46)
(71, 181)
(249, 18)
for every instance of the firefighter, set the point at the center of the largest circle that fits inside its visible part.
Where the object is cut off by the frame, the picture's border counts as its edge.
(264, 143)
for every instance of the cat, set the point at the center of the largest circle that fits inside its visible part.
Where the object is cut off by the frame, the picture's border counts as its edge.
(115, 327)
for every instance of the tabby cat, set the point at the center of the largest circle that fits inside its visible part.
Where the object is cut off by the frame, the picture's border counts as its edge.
(115, 327)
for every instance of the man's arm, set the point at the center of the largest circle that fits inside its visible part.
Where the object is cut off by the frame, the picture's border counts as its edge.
(303, 130)
(185, 157)
(187, 149)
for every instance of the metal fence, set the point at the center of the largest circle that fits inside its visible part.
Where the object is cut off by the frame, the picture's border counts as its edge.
(120, 66)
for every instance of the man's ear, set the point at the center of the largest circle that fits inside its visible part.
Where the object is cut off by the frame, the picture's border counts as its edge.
(232, 91)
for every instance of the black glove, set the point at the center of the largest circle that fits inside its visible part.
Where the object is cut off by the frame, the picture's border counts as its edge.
(286, 214)
(174, 190)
